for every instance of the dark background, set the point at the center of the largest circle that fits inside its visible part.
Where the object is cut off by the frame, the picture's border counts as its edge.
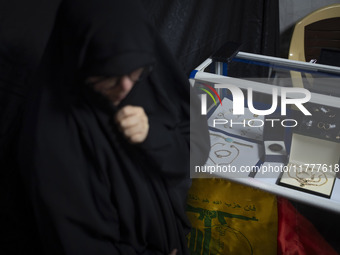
(195, 29)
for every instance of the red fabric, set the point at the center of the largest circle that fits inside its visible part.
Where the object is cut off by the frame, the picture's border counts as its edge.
(297, 235)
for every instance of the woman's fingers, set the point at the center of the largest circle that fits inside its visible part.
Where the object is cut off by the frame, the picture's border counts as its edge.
(133, 123)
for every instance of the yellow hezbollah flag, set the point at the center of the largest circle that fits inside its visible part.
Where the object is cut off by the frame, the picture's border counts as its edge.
(230, 218)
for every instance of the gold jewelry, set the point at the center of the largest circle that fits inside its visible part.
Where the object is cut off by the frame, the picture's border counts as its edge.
(249, 121)
(306, 177)
(229, 140)
(326, 111)
(244, 133)
(338, 136)
(325, 126)
(238, 153)
(321, 125)
(222, 155)
(225, 156)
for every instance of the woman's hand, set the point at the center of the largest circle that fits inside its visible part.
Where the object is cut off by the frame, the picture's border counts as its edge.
(133, 123)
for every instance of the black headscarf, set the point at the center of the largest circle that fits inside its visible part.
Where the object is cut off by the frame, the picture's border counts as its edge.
(91, 191)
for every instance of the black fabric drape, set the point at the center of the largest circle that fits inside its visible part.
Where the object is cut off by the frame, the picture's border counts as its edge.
(196, 29)
(92, 191)
(24, 31)
(25, 27)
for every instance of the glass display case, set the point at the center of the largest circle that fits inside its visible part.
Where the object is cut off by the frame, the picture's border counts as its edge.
(279, 132)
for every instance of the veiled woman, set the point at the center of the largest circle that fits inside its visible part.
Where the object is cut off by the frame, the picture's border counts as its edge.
(104, 148)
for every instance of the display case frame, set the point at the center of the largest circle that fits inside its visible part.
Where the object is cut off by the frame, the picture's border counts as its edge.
(268, 181)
